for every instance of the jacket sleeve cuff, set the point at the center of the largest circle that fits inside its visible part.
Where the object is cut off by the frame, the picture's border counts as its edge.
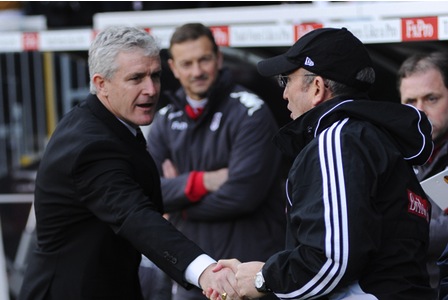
(196, 268)
(195, 189)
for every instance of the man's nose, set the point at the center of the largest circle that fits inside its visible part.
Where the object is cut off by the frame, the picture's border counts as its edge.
(196, 69)
(150, 86)
(420, 106)
(285, 95)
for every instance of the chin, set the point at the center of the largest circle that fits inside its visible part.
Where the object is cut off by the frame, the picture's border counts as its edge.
(202, 92)
(145, 121)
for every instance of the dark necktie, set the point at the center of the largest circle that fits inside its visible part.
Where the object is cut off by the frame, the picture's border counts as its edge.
(140, 138)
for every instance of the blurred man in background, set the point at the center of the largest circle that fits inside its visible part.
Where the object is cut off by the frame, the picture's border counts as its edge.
(423, 83)
(221, 181)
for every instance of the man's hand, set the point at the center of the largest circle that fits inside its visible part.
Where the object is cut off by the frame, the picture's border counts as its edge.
(217, 282)
(168, 169)
(213, 180)
(230, 264)
(244, 274)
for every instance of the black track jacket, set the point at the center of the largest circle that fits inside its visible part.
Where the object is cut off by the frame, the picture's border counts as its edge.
(357, 215)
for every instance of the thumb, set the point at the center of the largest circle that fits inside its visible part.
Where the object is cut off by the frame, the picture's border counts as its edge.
(227, 263)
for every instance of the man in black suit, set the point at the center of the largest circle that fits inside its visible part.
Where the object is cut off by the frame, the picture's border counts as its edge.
(98, 202)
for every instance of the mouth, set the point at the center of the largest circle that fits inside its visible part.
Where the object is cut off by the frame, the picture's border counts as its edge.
(199, 83)
(200, 80)
(145, 105)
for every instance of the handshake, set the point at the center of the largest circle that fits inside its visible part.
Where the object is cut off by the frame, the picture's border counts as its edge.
(230, 279)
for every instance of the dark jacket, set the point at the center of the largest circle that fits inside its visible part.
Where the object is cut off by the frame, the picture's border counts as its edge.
(443, 263)
(357, 215)
(245, 218)
(438, 230)
(439, 225)
(98, 206)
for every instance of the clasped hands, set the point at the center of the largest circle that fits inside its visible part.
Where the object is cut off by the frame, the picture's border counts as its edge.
(228, 279)
(231, 280)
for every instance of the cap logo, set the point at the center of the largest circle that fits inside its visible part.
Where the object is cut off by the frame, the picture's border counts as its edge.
(309, 62)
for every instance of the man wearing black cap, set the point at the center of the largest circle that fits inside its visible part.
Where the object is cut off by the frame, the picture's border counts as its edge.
(357, 215)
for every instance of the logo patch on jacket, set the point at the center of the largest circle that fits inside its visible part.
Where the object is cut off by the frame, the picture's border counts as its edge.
(216, 121)
(251, 101)
(418, 205)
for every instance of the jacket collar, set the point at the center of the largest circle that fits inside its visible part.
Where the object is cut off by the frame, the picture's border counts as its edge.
(410, 132)
(109, 119)
(294, 136)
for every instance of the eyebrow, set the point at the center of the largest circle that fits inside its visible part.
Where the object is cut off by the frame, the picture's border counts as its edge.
(142, 74)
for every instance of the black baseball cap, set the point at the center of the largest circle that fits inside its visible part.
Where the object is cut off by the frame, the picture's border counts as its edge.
(332, 53)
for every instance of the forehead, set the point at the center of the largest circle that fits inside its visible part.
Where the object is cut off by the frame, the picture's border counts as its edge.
(137, 59)
(422, 83)
(192, 48)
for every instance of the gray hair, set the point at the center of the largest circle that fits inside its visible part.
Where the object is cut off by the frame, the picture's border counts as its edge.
(110, 42)
(337, 89)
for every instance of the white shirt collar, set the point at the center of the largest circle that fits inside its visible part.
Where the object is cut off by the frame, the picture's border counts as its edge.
(195, 104)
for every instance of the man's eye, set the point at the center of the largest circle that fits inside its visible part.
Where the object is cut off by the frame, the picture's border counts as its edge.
(433, 98)
(283, 80)
(206, 59)
(185, 65)
(156, 76)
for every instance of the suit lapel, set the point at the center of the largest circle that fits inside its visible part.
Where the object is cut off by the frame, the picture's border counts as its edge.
(142, 158)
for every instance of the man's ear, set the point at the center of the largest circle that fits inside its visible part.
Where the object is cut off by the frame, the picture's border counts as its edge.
(321, 93)
(100, 84)
(173, 68)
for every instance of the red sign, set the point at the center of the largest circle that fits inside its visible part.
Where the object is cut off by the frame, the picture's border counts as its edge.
(419, 29)
(221, 34)
(30, 41)
(302, 29)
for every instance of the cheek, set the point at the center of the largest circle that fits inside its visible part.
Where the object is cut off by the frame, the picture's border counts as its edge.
(119, 96)
(296, 105)
(212, 68)
(435, 114)
(183, 76)
(439, 120)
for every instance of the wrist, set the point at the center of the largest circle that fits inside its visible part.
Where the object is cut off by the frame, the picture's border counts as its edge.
(260, 283)
(195, 189)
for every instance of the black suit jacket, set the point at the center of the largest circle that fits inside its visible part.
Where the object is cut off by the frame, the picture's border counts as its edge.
(98, 206)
